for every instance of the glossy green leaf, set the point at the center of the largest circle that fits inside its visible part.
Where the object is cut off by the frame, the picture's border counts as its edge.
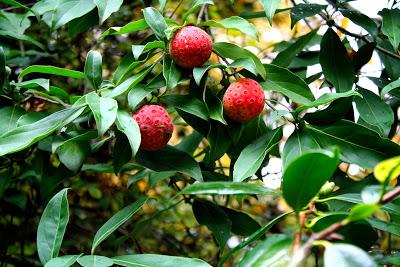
(255, 236)
(189, 104)
(363, 55)
(373, 110)
(116, 221)
(199, 72)
(246, 63)
(137, 94)
(138, 50)
(196, 4)
(235, 52)
(285, 57)
(14, 3)
(391, 25)
(242, 224)
(214, 217)
(154, 260)
(341, 73)
(303, 178)
(219, 141)
(286, 82)
(336, 111)
(269, 8)
(22, 37)
(391, 86)
(52, 227)
(393, 228)
(14, 22)
(361, 20)
(171, 73)
(126, 124)
(107, 7)
(362, 211)
(273, 251)
(104, 111)
(226, 188)
(234, 22)
(26, 135)
(2, 67)
(370, 147)
(52, 70)
(93, 69)
(328, 98)
(10, 116)
(63, 261)
(389, 62)
(170, 159)
(302, 11)
(155, 21)
(190, 143)
(95, 261)
(346, 256)
(133, 26)
(34, 83)
(253, 155)
(297, 144)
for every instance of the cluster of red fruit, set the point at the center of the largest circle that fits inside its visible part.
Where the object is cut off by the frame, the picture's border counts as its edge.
(191, 47)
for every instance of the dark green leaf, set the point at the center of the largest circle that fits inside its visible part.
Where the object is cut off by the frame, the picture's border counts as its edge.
(363, 55)
(22, 37)
(122, 151)
(171, 73)
(328, 98)
(116, 221)
(301, 11)
(361, 20)
(189, 104)
(391, 25)
(242, 224)
(391, 86)
(195, 5)
(84, 23)
(2, 67)
(389, 62)
(152, 260)
(190, 143)
(52, 227)
(104, 111)
(335, 63)
(336, 111)
(226, 188)
(63, 261)
(138, 50)
(233, 22)
(170, 159)
(199, 72)
(10, 116)
(302, 178)
(133, 26)
(346, 256)
(219, 141)
(269, 8)
(126, 124)
(156, 22)
(389, 227)
(253, 155)
(107, 7)
(93, 69)
(137, 94)
(52, 70)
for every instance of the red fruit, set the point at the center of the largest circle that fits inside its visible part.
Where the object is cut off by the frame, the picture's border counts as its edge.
(190, 47)
(155, 126)
(244, 100)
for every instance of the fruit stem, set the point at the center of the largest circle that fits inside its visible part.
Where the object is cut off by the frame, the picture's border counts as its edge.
(234, 72)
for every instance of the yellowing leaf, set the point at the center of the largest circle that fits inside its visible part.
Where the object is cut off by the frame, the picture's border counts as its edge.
(387, 169)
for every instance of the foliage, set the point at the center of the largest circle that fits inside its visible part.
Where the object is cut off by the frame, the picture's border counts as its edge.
(73, 71)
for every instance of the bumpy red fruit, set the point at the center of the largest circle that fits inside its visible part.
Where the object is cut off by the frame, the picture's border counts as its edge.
(244, 100)
(190, 47)
(155, 127)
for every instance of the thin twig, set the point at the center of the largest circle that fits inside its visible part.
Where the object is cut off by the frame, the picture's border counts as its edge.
(201, 13)
(176, 8)
(234, 72)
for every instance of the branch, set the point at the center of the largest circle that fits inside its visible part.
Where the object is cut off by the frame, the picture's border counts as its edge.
(176, 8)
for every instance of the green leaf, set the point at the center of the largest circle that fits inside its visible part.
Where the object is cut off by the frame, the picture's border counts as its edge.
(361, 20)
(14, 22)
(52, 70)
(126, 124)
(297, 144)
(389, 62)
(95, 261)
(273, 251)
(10, 116)
(138, 50)
(363, 147)
(116, 221)
(340, 74)
(363, 55)
(328, 98)
(188, 104)
(128, 83)
(219, 141)
(242, 224)
(389, 227)
(269, 8)
(391, 86)
(26, 135)
(304, 177)
(84, 23)
(391, 25)
(63, 261)
(122, 151)
(195, 5)
(2, 67)
(285, 57)
(152, 260)
(284, 81)
(190, 143)
(57, 13)
(301, 11)
(255, 236)
(170, 159)
(336, 111)
(34, 83)
(234, 22)
(226, 188)
(133, 26)
(171, 73)
(199, 72)
(253, 155)
(214, 217)
(93, 69)
(104, 111)
(246, 63)
(373, 110)
(14, 3)
(362, 211)
(52, 227)
(137, 94)
(346, 256)
(156, 22)
(5, 180)
(235, 52)
(22, 37)
(107, 7)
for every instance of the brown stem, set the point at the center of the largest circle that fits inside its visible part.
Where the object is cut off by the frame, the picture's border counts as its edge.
(234, 72)
(176, 8)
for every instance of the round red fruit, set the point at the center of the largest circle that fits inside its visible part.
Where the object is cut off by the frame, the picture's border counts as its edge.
(244, 100)
(155, 127)
(190, 47)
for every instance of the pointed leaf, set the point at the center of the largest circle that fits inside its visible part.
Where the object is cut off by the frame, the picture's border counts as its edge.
(104, 111)
(95, 261)
(152, 260)
(126, 124)
(52, 70)
(93, 69)
(226, 188)
(156, 22)
(270, 7)
(107, 7)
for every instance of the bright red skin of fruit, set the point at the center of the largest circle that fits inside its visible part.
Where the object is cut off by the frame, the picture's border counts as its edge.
(244, 100)
(190, 47)
(155, 127)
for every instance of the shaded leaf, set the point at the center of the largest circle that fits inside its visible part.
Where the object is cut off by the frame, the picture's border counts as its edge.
(226, 188)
